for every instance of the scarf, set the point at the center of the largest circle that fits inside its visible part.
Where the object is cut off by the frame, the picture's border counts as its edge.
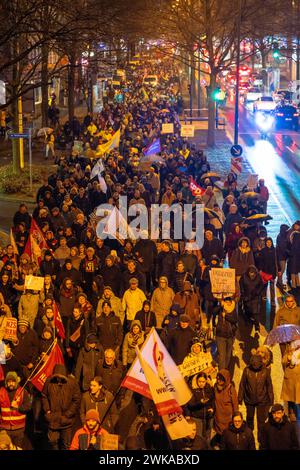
(135, 338)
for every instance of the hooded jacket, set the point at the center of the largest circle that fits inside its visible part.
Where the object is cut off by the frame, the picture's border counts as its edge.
(286, 315)
(61, 399)
(128, 351)
(279, 436)
(202, 400)
(101, 403)
(161, 302)
(238, 439)
(241, 259)
(87, 361)
(178, 342)
(109, 331)
(226, 403)
(147, 319)
(251, 289)
(256, 386)
(267, 261)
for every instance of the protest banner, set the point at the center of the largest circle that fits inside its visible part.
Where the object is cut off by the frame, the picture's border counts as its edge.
(109, 442)
(167, 128)
(193, 365)
(222, 280)
(34, 282)
(187, 130)
(11, 326)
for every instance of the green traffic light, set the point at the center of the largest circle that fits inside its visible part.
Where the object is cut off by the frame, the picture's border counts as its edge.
(276, 54)
(217, 94)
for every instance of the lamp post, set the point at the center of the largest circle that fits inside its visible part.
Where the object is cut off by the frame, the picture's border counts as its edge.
(237, 85)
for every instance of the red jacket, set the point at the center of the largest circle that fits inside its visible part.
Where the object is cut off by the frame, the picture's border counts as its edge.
(11, 418)
(82, 437)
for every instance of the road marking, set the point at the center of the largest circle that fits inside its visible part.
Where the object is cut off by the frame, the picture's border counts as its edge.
(230, 135)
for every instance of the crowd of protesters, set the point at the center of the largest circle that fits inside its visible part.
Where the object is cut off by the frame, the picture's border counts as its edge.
(110, 293)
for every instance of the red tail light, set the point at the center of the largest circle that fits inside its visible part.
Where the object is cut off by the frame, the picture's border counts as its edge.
(280, 114)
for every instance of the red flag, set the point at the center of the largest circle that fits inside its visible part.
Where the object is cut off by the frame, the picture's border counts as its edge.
(196, 189)
(1, 373)
(55, 357)
(35, 243)
(236, 165)
(58, 322)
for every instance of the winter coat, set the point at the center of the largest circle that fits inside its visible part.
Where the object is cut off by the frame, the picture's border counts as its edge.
(294, 259)
(51, 267)
(251, 290)
(282, 244)
(73, 274)
(210, 248)
(166, 266)
(111, 375)
(238, 439)
(67, 302)
(279, 436)
(180, 278)
(190, 262)
(27, 349)
(112, 277)
(230, 220)
(87, 361)
(128, 351)
(190, 305)
(116, 306)
(205, 285)
(256, 386)
(60, 396)
(202, 400)
(147, 319)
(178, 342)
(267, 262)
(241, 261)
(226, 402)
(109, 331)
(161, 302)
(147, 250)
(291, 383)
(72, 326)
(28, 307)
(226, 326)
(126, 276)
(285, 316)
(132, 302)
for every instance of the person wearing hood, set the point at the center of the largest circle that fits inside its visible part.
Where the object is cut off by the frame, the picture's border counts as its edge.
(251, 289)
(89, 436)
(210, 302)
(225, 324)
(256, 390)
(146, 317)
(26, 348)
(226, 403)
(132, 301)
(289, 313)
(87, 361)
(290, 392)
(282, 246)
(134, 338)
(15, 402)
(162, 300)
(212, 246)
(60, 400)
(238, 436)
(278, 433)
(242, 257)
(111, 274)
(267, 262)
(145, 251)
(232, 239)
(189, 301)
(179, 339)
(171, 320)
(202, 405)
(68, 271)
(109, 328)
(115, 303)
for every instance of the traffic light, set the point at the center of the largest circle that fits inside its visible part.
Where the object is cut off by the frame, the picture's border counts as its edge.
(217, 94)
(276, 52)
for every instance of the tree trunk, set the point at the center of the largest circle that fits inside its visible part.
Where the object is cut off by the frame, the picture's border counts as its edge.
(71, 86)
(44, 85)
(211, 113)
(14, 108)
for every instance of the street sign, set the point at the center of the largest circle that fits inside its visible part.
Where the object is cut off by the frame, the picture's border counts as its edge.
(14, 135)
(236, 150)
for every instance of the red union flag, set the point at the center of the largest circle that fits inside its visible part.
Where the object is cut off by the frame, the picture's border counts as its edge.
(55, 357)
(236, 165)
(196, 189)
(35, 243)
(58, 322)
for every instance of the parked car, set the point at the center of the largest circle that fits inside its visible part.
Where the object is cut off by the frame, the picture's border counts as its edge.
(286, 115)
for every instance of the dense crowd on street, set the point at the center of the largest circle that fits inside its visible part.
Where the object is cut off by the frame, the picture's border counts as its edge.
(110, 293)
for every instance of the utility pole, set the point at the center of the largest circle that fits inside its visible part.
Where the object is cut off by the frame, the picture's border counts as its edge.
(237, 85)
(199, 83)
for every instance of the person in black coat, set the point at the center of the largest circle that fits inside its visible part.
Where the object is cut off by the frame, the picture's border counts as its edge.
(166, 263)
(146, 253)
(146, 317)
(76, 333)
(238, 436)
(179, 339)
(294, 259)
(67, 271)
(50, 265)
(130, 272)
(210, 302)
(256, 390)
(282, 252)
(111, 371)
(109, 328)
(202, 405)
(212, 246)
(22, 215)
(267, 263)
(225, 323)
(61, 400)
(251, 289)
(26, 350)
(111, 274)
(278, 433)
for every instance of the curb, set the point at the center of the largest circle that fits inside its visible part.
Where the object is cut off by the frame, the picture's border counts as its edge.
(19, 199)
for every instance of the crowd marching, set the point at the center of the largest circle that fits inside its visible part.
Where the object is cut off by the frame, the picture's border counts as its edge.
(77, 331)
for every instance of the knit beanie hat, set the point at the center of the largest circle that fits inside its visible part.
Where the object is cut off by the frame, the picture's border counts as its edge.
(24, 322)
(13, 376)
(92, 414)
